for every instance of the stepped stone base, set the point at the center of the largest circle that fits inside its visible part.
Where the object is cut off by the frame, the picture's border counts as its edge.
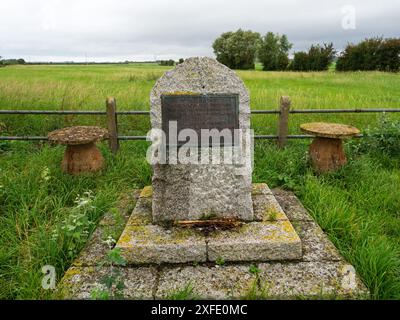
(271, 238)
(321, 273)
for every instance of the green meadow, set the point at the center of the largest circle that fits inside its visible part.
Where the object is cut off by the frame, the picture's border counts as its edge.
(358, 206)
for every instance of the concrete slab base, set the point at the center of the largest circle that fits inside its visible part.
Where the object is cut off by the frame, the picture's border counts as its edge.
(321, 273)
(271, 238)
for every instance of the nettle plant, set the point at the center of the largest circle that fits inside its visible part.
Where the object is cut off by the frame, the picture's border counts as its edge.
(383, 138)
(111, 284)
(74, 230)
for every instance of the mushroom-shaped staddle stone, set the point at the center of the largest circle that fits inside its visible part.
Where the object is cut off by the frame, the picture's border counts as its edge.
(326, 151)
(329, 130)
(81, 154)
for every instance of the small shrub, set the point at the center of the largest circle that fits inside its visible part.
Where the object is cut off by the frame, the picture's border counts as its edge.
(384, 138)
(74, 229)
(112, 284)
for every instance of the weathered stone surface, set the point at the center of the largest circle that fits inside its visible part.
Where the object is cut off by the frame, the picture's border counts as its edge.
(142, 244)
(266, 208)
(291, 205)
(147, 192)
(79, 283)
(329, 130)
(95, 251)
(224, 282)
(256, 241)
(316, 245)
(192, 191)
(327, 155)
(310, 280)
(260, 189)
(141, 215)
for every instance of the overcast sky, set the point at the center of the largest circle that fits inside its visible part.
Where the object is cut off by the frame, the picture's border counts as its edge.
(118, 30)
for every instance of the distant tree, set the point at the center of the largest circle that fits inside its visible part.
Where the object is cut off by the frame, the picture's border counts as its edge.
(389, 55)
(318, 58)
(166, 62)
(9, 62)
(371, 54)
(237, 50)
(181, 60)
(273, 51)
(283, 57)
(268, 51)
(300, 62)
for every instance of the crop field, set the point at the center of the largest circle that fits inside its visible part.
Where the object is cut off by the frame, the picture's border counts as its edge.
(358, 206)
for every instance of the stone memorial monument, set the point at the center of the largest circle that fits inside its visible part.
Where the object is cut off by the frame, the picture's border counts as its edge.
(199, 213)
(202, 165)
(202, 94)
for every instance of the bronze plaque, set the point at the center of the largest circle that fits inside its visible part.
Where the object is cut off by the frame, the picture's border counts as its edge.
(214, 111)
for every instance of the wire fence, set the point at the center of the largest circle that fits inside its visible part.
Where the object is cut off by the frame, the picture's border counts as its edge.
(112, 114)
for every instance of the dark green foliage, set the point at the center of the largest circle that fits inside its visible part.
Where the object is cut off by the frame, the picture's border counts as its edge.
(300, 62)
(382, 139)
(371, 54)
(318, 58)
(237, 50)
(9, 62)
(181, 60)
(166, 62)
(113, 281)
(273, 52)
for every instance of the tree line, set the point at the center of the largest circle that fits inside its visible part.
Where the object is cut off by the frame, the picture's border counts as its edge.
(8, 62)
(241, 49)
(371, 54)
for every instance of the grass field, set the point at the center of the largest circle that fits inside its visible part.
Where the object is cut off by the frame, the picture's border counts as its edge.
(358, 207)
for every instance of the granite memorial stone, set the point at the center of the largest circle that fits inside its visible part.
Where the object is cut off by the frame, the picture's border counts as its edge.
(202, 94)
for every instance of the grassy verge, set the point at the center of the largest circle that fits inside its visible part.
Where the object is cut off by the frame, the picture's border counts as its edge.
(46, 216)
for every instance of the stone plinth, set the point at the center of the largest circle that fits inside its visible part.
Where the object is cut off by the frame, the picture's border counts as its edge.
(322, 273)
(272, 238)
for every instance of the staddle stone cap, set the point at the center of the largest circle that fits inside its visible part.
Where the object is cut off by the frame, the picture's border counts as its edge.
(329, 130)
(78, 135)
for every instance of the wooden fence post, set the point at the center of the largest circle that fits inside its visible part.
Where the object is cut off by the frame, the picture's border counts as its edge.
(112, 124)
(283, 125)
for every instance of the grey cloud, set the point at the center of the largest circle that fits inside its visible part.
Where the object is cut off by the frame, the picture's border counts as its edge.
(140, 30)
